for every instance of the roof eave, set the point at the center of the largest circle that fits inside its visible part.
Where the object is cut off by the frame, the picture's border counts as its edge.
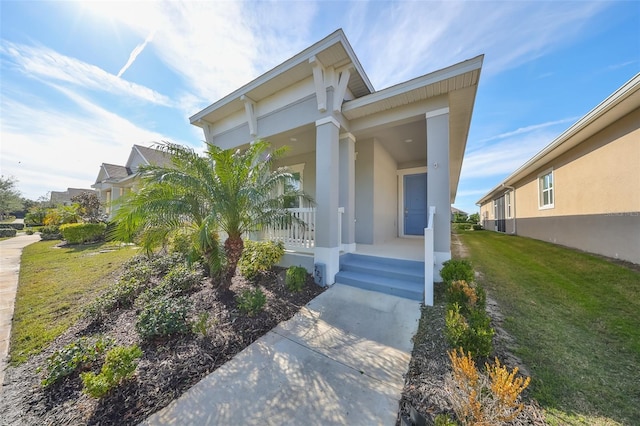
(337, 36)
(547, 153)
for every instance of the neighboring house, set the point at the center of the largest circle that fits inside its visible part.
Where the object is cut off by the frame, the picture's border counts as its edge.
(455, 211)
(583, 189)
(114, 181)
(64, 197)
(362, 154)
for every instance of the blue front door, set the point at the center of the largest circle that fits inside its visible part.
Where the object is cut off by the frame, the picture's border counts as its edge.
(415, 204)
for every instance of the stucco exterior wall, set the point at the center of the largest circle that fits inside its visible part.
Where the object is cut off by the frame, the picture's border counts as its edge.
(364, 191)
(385, 195)
(596, 195)
(599, 176)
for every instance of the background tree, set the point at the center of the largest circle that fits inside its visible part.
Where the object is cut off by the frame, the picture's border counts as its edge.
(474, 218)
(10, 198)
(228, 192)
(89, 207)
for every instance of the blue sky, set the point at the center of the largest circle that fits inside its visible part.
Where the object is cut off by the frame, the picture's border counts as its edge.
(81, 82)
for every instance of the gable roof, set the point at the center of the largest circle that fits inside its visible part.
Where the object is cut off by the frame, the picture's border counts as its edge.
(152, 156)
(332, 51)
(620, 103)
(114, 171)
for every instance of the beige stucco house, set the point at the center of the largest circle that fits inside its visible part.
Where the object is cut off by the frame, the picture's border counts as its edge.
(583, 189)
(114, 181)
(363, 155)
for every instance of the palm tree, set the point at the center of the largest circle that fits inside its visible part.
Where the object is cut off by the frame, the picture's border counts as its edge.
(224, 192)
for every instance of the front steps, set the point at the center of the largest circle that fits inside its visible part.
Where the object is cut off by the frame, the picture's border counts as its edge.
(398, 277)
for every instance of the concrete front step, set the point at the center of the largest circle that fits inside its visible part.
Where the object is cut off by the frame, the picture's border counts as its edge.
(403, 278)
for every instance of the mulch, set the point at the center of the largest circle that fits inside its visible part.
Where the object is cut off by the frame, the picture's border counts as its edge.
(168, 367)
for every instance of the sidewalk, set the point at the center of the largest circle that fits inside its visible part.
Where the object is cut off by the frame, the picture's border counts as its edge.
(10, 251)
(340, 361)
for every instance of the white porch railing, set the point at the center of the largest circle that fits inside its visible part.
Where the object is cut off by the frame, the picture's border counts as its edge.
(429, 258)
(297, 234)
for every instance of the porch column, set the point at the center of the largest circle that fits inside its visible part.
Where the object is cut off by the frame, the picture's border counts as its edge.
(438, 192)
(327, 244)
(347, 190)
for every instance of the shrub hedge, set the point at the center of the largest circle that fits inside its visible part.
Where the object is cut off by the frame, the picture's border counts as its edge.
(7, 232)
(80, 233)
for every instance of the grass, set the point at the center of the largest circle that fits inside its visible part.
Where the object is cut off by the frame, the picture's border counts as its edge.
(54, 285)
(575, 318)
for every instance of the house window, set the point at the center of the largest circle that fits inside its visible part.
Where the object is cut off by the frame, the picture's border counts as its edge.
(495, 209)
(507, 200)
(545, 189)
(294, 184)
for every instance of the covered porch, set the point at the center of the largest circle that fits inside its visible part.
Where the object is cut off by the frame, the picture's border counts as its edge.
(382, 167)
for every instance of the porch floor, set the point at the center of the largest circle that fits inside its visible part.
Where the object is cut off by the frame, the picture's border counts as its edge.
(398, 248)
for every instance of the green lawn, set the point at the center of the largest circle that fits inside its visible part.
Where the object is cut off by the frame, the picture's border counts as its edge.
(576, 321)
(54, 285)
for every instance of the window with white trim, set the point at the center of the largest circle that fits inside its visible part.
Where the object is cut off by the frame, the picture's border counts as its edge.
(295, 184)
(545, 190)
(507, 202)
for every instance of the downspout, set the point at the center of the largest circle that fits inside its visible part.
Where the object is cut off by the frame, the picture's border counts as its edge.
(513, 191)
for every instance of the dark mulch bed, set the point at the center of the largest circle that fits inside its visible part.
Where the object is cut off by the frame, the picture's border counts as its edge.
(167, 369)
(424, 389)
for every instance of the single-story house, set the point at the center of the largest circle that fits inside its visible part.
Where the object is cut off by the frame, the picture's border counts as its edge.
(583, 189)
(113, 180)
(64, 197)
(382, 166)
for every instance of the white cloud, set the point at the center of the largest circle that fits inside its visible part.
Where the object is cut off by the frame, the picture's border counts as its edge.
(64, 149)
(134, 54)
(529, 129)
(407, 39)
(502, 158)
(48, 65)
(217, 47)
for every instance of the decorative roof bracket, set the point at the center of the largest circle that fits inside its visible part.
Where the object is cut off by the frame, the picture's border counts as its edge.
(338, 96)
(250, 110)
(318, 79)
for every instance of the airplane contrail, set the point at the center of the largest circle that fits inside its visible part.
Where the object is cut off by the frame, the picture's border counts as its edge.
(135, 52)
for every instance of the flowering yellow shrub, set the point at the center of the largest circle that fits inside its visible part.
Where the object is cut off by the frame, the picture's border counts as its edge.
(483, 398)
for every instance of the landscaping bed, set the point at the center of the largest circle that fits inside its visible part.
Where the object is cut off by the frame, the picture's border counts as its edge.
(168, 367)
(424, 391)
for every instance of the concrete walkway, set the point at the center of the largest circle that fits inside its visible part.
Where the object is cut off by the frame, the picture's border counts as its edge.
(340, 361)
(10, 251)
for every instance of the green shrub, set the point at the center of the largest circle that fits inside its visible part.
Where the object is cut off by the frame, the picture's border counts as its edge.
(79, 233)
(180, 280)
(7, 232)
(50, 232)
(250, 302)
(120, 295)
(163, 317)
(457, 269)
(120, 364)
(477, 227)
(36, 216)
(468, 296)
(16, 226)
(296, 278)
(29, 231)
(201, 325)
(463, 226)
(76, 355)
(259, 256)
(472, 334)
(444, 420)
(163, 263)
